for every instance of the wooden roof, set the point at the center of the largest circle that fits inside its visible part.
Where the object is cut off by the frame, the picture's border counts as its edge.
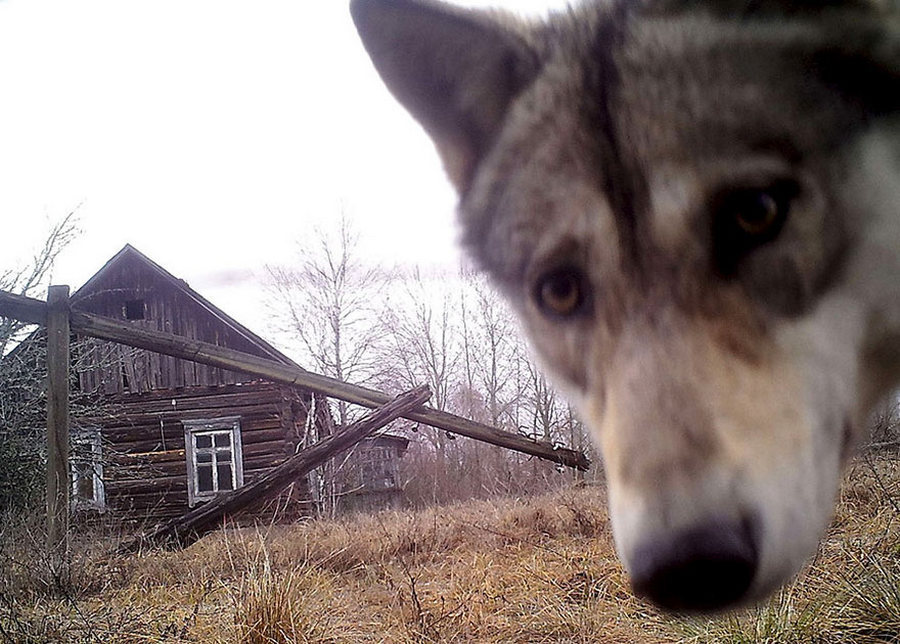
(129, 254)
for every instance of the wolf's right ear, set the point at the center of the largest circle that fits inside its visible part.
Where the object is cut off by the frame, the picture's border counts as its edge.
(455, 70)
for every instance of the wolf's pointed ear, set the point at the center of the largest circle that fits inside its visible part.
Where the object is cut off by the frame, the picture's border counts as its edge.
(455, 70)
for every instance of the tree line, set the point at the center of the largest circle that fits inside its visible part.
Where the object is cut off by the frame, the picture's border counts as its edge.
(394, 328)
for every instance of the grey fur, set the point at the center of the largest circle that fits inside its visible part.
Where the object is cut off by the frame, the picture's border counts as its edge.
(612, 142)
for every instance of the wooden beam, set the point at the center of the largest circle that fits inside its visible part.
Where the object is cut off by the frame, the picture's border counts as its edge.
(26, 309)
(186, 529)
(57, 418)
(216, 356)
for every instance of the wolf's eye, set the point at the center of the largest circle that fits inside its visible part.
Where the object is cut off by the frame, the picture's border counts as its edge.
(749, 217)
(562, 292)
(755, 213)
(752, 213)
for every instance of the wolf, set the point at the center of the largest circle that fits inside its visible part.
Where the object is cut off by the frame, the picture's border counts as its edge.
(694, 209)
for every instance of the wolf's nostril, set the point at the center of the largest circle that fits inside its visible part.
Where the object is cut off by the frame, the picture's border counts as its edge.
(706, 568)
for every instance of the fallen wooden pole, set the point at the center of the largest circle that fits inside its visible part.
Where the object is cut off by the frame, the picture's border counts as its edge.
(216, 356)
(186, 529)
(210, 354)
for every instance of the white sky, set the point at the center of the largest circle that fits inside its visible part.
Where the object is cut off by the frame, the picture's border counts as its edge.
(210, 134)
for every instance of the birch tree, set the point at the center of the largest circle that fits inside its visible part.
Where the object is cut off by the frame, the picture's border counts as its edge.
(421, 343)
(327, 303)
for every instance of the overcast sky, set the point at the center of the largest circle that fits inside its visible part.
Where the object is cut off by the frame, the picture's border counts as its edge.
(211, 135)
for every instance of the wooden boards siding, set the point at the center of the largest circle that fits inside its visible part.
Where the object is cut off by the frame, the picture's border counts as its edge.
(133, 289)
(144, 451)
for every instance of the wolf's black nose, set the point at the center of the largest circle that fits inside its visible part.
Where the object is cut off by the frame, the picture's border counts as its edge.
(707, 568)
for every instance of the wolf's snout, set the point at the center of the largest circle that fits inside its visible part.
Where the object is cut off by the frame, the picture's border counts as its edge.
(708, 567)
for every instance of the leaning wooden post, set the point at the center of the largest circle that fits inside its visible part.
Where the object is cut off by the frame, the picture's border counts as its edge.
(57, 418)
(186, 529)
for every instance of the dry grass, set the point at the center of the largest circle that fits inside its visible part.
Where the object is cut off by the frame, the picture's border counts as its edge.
(536, 570)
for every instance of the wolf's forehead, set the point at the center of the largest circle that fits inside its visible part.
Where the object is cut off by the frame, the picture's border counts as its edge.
(620, 103)
(698, 87)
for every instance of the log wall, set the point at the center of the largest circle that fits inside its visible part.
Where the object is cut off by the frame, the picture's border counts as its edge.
(145, 471)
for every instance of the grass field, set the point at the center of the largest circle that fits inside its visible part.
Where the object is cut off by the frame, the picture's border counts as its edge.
(541, 569)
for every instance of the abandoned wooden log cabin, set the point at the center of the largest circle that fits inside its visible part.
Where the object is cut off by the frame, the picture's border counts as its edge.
(172, 433)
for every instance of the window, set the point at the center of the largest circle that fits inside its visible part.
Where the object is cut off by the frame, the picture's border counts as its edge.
(134, 310)
(87, 471)
(378, 468)
(213, 454)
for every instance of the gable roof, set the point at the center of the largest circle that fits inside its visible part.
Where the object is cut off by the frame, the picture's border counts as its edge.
(130, 253)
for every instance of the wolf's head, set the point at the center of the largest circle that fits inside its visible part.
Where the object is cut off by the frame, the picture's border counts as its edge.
(694, 209)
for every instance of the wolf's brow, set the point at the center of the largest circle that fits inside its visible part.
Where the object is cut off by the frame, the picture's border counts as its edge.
(623, 181)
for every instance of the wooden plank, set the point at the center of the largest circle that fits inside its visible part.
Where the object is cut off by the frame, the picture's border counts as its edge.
(152, 444)
(138, 500)
(147, 479)
(259, 386)
(237, 361)
(25, 309)
(273, 448)
(168, 473)
(58, 418)
(267, 399)
(146, 459)
(116, 434)
(188, 528)
(146, 439)
(123, 426)
(253, 465)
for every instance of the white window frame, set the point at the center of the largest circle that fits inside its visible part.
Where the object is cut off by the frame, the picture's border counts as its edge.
(207, 426)
(89, 436)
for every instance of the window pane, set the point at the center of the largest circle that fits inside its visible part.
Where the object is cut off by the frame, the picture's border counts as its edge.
(84, 486)
(204, 478)
(224, 471)
(204, 440)
(224, 456)
(134, 310)
(223, 440)
(204, 457)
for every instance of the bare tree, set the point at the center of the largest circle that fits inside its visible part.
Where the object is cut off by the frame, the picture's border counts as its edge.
(457, 335)
(328, 304)
(545, 407)
(23, 371)
(33, 276)
(492, 350)
(421, 340)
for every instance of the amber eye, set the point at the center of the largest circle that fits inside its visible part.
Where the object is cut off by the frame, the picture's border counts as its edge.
(756, 213)
(562, 292)
(746, 218)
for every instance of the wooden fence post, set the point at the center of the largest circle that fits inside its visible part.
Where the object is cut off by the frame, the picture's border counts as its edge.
(58, 418)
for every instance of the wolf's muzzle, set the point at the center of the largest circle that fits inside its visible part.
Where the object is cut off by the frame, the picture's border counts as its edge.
(708, 567)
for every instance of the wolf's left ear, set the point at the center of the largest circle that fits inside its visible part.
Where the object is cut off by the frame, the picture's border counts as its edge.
(455, 70)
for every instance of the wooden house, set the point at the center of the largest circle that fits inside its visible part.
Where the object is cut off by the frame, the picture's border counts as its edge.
(170, 433)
